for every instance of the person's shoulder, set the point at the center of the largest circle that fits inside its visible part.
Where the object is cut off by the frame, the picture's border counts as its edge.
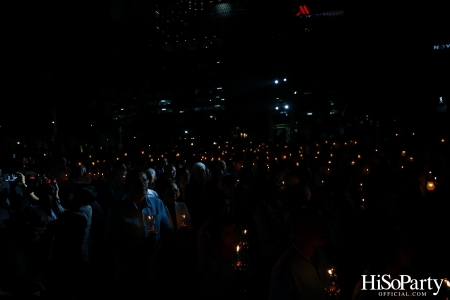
(181, 205)
(152, 200)
(287, 257)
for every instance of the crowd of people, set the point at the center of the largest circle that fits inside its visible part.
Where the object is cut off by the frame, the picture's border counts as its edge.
(233, 222)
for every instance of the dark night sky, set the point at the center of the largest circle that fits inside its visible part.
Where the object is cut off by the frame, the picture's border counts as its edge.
(59, 53)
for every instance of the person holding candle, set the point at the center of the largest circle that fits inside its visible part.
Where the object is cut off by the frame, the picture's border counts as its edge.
(184, 175)
(229, 272)
(136, 248)
(301, 272)
(177, 212)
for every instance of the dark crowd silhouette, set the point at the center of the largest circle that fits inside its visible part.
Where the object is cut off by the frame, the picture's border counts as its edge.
(251, 221)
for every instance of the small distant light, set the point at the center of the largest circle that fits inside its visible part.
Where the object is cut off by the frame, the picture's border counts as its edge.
(163, 109)
(286, 106)
(218, 62)
(309, 114)
(192, 144)
(185, 131)
(276, 81)
(91, 125)
(295, 93)
(284, 79)
(53, 122)
(121, 109)
(276, 107)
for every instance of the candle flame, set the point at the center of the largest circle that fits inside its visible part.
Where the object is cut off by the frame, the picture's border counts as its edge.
(245, 231)
(237, 248)
(447, 282)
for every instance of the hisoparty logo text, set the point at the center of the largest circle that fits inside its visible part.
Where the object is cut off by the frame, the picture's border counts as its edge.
(384, 282)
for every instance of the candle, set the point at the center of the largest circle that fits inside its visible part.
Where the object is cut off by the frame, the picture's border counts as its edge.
(183, 221)
(430, 186)
(447, 283)
(353, 162)
(403, 153)
(359, 156)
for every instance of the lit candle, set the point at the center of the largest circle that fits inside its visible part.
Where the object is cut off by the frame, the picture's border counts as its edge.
(430, 186)
(353, 162)
(447, 283)
(403, 153)
(183, 221)
(359, 156)
(442, 141)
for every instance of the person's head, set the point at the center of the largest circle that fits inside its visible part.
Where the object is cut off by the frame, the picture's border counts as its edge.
(62, 162)
(151, 176)
(137, 181)
(276, 170)
(219, 204)
(217, 175)
(199, 172)
(228, 184)
(208, 174)
(170, 172)
(309, 228)
(171, 191)
(224, 233)
(162, 162)
(80, 171)
(222, 165)
(85, 194)
(120, 168)
(389, 246)
(184, 176)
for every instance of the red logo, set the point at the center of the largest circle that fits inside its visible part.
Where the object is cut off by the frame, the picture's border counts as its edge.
(303, 10)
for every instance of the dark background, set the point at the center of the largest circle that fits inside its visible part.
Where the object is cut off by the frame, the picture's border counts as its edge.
(69, 56)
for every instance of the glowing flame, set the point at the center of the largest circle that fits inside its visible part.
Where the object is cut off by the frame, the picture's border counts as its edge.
(447, 282)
